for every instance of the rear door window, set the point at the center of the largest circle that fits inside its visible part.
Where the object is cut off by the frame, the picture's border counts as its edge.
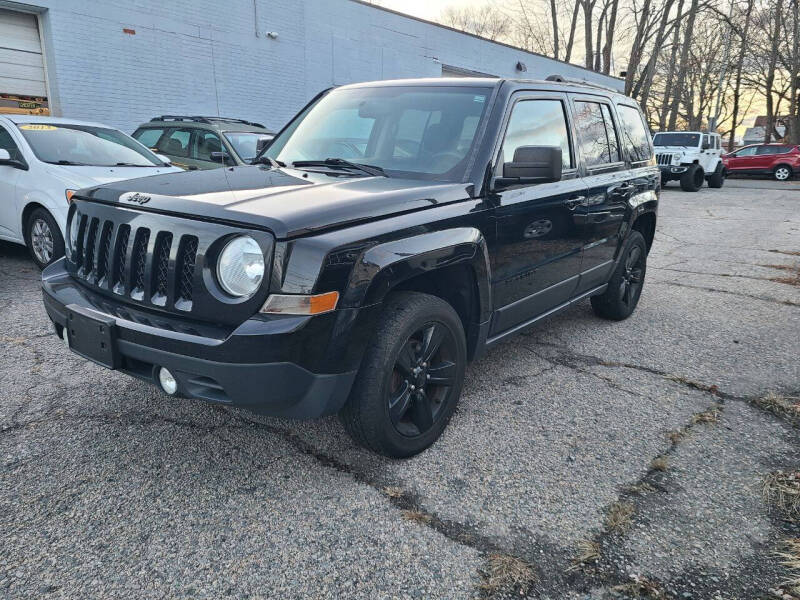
(635, 137)
(596, 134)
(762, 150)
(176, 143)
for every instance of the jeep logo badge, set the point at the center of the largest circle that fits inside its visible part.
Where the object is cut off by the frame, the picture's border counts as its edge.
(138, 198)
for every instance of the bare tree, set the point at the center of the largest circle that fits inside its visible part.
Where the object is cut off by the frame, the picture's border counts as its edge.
(486, 21)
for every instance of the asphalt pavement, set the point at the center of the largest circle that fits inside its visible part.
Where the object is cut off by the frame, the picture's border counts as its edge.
(645, 441)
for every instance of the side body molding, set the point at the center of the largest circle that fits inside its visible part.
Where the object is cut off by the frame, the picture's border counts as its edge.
(383, 266)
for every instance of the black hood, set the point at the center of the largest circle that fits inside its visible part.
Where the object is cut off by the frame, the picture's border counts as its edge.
(288, 202)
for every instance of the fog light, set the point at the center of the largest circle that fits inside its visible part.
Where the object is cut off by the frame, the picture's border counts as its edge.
(167, 381)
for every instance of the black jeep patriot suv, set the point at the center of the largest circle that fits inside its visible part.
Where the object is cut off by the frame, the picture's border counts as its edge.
(391, 233)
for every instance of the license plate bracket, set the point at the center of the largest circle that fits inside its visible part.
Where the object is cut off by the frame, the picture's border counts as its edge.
(92, 337)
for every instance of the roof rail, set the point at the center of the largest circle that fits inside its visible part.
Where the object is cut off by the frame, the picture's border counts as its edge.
(201, 119)
(562, 79)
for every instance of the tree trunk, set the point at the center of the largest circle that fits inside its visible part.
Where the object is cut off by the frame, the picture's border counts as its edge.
(775, 40)
(554, 15)
(588, 7)
(682, 66)
(636, 49)
(642, 91)
(607, 49)
(737, 86)
(793, 124)
(572, 27)
(665, 105)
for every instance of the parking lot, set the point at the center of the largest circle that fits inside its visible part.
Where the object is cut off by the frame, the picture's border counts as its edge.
(588, 459)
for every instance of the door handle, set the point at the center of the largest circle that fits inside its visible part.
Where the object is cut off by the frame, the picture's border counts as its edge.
(573, 203)
(624, 189)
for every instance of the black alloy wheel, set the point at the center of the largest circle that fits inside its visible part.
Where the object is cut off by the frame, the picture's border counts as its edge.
(422, 379)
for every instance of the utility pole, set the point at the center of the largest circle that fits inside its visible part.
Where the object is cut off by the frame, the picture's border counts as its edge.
(723, 71)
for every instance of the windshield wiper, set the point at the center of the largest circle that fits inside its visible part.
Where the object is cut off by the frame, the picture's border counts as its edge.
(127, 164)
(373, 170)
(70, 163)
(266, 160)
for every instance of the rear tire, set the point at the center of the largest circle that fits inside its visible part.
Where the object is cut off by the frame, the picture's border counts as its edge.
(717, 179)
(692, 179)
(410, 378)
(782, 173)
(626, 283)
(43, 238)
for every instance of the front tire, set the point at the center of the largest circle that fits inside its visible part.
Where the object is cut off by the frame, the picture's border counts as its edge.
(625, 287)
(43, 238)
(410, 378)
(692, 179)
(717, 179)
(782, 173)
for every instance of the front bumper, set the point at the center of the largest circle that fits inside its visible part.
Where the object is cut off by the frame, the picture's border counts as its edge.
(288, 366)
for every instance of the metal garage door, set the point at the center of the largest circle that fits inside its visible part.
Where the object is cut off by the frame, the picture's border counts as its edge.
(22, 76)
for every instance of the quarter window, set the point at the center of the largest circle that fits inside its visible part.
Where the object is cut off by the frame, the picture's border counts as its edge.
(634, 133)
(149, 137)
(598, 142)
(538, 123)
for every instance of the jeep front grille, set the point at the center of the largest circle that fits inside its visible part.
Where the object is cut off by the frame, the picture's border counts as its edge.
(105, 261)
(157, 261)
(664, 159)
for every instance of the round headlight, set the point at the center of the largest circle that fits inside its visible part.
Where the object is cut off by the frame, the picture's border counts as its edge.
(240, 268)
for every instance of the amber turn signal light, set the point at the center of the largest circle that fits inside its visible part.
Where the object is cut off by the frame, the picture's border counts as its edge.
(295, 304)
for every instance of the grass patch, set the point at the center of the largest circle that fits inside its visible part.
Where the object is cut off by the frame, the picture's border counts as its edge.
(677, 435)
(783, 406)
(588, 553)
(709, 416)
(641, 588)
(417, 516)
(639, 488)
(392, 491)
(507, 574)
(782, 490)
(660, 463)
(618, 516)
(790, 559)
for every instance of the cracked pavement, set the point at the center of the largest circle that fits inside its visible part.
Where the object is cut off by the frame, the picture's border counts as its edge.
(110, 489)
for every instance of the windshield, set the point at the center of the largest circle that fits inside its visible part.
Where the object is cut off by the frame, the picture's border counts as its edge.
(414, 132)
(677, 139)
(86, 145)
(247, 143)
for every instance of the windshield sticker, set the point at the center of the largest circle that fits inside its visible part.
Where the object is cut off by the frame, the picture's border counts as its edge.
(37, 127)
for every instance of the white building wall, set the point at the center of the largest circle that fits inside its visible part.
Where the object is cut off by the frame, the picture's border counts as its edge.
(205, 57)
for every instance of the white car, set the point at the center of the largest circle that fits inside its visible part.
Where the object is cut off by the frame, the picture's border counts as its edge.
(691, 157)
(43, 160)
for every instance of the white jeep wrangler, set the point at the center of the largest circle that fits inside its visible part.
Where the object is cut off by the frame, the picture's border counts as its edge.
(691, 157)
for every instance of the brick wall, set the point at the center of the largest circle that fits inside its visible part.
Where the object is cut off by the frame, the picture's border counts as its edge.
(204, 57)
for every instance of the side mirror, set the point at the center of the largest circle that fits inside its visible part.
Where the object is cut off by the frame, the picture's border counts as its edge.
(706, 146)
(262, 144)
(221, 157)
(532, 164)
(5, 159)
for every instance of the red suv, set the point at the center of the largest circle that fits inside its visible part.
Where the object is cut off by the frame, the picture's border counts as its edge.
(782, 161)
